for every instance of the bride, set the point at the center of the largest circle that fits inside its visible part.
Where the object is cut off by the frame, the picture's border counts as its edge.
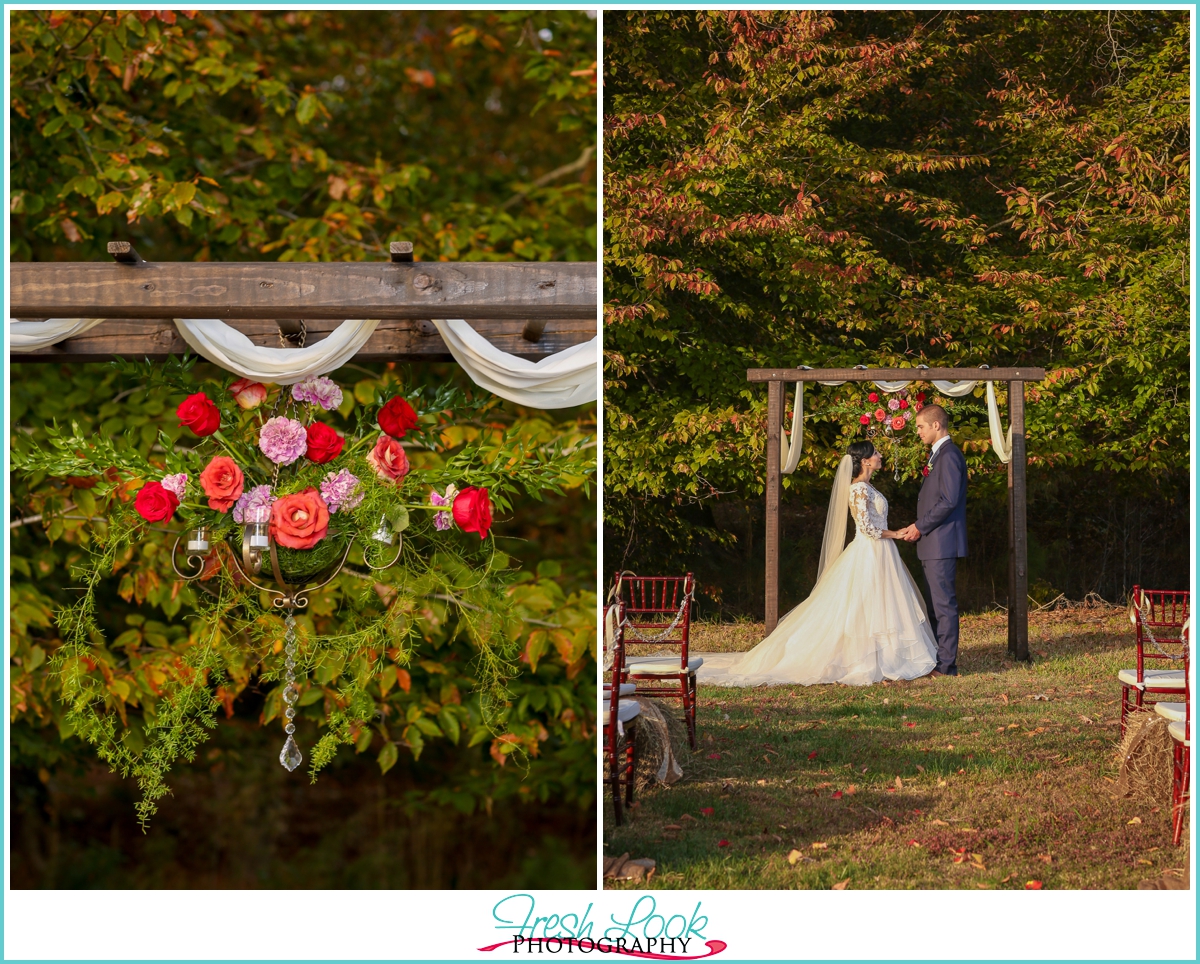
(865, 620)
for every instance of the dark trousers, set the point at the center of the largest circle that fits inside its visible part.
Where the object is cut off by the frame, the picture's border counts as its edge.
(942, 602)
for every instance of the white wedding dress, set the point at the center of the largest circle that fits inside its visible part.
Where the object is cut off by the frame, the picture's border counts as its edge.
(864, 621)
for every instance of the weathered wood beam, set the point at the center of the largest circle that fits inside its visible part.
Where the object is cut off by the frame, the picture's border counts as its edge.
(1018, 603)
(774, 427)
(392, 340)
(528, 291)
(894, 374)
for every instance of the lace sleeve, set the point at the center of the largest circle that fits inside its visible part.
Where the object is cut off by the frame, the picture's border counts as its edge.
(859, 500)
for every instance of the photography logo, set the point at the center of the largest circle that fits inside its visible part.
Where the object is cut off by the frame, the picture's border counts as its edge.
(643, 932)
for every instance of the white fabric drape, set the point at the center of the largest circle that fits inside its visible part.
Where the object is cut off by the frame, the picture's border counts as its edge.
(561, 380)
(1001, 443)
(228, 348)
(32, 335)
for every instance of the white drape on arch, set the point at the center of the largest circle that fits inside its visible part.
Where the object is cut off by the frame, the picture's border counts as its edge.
(790, 447)
(561, 380)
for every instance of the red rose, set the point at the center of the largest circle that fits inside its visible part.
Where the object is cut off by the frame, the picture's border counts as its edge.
(918, 406)
(920, 396)
(865, 419)
(925, 471)
(299, 521)
(873, 397)
(880, 414)
(898, 423)
(222, 481)
(199, 414)
(904, 403)
(324, 444)
(248, 394)
(397, 417)
(473, 510)
(388, 460)
(154, 503)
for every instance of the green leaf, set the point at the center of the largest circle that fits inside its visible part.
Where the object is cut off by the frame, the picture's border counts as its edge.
(306, 109)
(387, 757)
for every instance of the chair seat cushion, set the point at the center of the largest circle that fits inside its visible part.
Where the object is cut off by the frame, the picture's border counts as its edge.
(661, 666)
(1175, 712)
(1179, 733)
(627, 689)
(626, 710)
(1166, 679)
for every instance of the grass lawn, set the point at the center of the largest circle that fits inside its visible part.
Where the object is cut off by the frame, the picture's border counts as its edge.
(993, 779)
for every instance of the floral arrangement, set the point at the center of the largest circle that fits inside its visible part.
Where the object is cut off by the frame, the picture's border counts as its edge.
(886, 419)
(334, 477)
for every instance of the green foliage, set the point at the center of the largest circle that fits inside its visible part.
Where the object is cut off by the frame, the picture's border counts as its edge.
(303, 135)
(891, 189)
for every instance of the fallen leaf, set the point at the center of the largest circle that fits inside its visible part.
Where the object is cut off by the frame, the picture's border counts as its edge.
(1045, 858)
(820, 846)
(1004, 698)
(1033, 885)
(915, 843)
(1148, 863)
(1134, 820)
(939, 823)
(794, 857)
(714, 756)
(852, 789)
(1008, 878)
(941, 783)
(706, 811)
(1011, 793)
(837, 794)
(910, 724)
(920, 769)
(967, 719)
(813, 755)
(722, 843)
(899, 784)
(762, 783)
(842, 885)
(688, 816)
(672, 826)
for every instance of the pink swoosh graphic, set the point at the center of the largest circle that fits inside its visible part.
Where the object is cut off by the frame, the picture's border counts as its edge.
(714, 947)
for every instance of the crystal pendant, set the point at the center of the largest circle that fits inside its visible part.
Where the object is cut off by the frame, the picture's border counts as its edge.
(290, 756)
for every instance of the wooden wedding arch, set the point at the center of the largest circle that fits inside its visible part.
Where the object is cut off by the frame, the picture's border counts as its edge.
(1018, 573)
(529, 309)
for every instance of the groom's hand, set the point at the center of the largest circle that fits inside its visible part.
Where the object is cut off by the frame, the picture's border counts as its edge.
(911, 534)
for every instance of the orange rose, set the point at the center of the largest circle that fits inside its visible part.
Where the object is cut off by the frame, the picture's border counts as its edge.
(222, 482)
(898, 423)
(388, 460)
(880, 414)
(299, 521)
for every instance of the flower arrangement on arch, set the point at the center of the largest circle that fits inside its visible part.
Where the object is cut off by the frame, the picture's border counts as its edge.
(334, 475)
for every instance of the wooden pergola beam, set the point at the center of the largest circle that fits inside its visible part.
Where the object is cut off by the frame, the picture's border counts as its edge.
(392, 340)
(894, 374)
(413, 290)
(1018, 572)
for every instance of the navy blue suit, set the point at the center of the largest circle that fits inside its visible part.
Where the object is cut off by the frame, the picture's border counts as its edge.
(942, 522)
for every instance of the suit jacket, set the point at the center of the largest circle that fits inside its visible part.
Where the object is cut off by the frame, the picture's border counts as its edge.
(942, 506)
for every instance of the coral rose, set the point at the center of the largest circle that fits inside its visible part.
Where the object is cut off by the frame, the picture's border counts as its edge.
(324, 444)
(299, 521)
(388, 460)
(473, 510)
(880, 414)
(898, 423)
(248, 394)
(199, 414)
(222, 481)
(154, 503)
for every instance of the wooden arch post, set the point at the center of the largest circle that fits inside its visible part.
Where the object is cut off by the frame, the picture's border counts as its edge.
(1018, 568)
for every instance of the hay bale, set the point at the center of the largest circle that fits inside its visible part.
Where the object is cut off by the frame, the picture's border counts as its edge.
(1145, 756)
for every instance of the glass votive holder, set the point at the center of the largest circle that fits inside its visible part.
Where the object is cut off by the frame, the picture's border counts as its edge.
(197, 540)
(383, 533)
(256, 520)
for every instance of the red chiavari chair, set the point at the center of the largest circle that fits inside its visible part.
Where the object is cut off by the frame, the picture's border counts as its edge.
(1158, 616)
(619, 713)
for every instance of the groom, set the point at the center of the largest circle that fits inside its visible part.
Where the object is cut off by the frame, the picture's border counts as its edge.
(941, 531)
